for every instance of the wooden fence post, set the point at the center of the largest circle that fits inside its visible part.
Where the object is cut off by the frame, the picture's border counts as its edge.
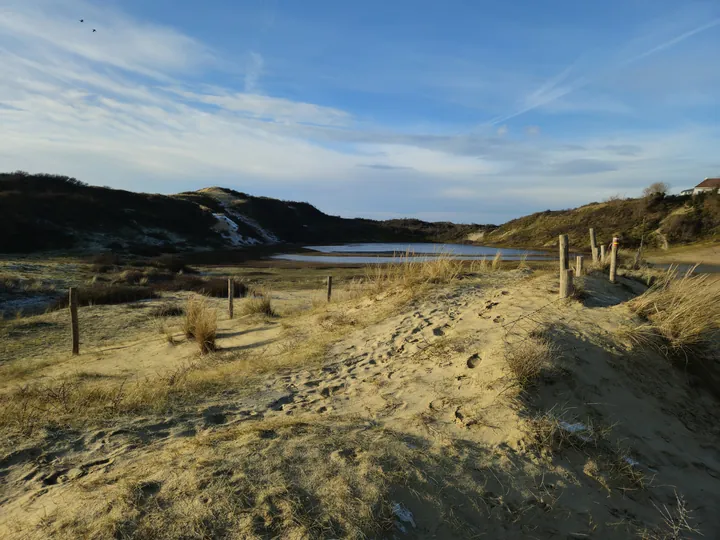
(564, 265)
(231, 296)
(564, 252)
(579, 265)
(566, 283)
(602, 254)
(329, 288)
(593, 245)
(74, 327)
(613, 259)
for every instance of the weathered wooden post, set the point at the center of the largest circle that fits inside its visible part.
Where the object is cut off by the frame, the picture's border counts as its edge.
(329, 288)
(74, 327)
(579, 265)
(564, 264)
(566, 283)
(564, 252)
(593, 245)
(613, 259)
(602, 254)
(231, 296)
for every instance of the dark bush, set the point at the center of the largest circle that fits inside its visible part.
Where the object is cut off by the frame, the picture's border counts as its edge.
(216, 287)
(107, 295)
(105, 262)
(173, 264)
(167, 310)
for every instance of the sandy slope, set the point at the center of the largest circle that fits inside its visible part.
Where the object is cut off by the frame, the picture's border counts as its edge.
(708, 254)
(429, 386)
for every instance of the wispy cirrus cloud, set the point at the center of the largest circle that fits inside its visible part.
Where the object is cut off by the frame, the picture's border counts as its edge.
(579, 75)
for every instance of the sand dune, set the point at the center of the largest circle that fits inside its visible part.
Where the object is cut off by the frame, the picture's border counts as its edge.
(390, 415)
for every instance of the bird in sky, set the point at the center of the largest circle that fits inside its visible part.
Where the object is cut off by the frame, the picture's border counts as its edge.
(94, 30)
(82, 20)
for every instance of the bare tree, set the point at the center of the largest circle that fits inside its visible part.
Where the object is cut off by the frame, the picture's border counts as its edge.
(656, 188)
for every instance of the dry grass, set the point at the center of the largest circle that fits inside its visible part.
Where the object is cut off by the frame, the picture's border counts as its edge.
(556, 429)
(167, 310)
(260, 303)
(683, 312)
(295, 478)
(497, 261)
(528, 358)
(334, 319)
(676, 523)
(411, 274)
(523, 262)
(200, 323)
(271, 479)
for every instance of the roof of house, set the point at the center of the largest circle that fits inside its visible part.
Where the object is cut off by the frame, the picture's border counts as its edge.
(709, 183)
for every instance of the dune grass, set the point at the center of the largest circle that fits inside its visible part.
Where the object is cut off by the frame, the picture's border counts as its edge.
(409, 273)
(260, 303)
(682, 314)
(497, 261)
(527, 359)
(200, 323)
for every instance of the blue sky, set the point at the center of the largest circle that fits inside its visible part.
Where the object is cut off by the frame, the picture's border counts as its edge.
(471, 111)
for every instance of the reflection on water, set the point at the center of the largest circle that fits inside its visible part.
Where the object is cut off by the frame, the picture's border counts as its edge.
(394, 252)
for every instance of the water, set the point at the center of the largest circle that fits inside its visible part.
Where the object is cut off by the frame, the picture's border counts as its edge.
(394, 252)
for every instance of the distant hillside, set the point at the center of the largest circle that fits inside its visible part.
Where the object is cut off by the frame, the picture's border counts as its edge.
(48, 212)
(662, 220)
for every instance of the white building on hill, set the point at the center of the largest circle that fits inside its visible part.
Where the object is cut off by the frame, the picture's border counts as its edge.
(709, 184)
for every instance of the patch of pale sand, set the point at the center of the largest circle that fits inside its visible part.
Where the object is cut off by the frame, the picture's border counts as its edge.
(437, 373)
(704, 253)
(106, 351)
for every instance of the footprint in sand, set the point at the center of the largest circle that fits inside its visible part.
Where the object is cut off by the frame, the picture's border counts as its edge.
(473, 361)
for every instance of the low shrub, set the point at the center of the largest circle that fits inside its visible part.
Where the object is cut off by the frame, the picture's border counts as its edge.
(215, 287)
(105, 262)
(258, 304)
(173, 264)
(107, 295)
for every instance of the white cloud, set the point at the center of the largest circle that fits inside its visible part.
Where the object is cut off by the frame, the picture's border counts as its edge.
(272, 108)
(46, 26)
(119, 107)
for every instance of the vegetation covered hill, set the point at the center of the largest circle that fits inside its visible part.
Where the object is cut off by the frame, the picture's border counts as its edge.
(44, 212)
(661, 220)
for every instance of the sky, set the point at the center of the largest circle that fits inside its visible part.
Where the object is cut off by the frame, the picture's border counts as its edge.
(468, 111)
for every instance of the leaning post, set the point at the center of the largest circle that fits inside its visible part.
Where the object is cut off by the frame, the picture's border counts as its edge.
(74, 327)
(593, 245)
(329, 288)
(579, 265)
(613, 259)
(602, 254)
(231, 296)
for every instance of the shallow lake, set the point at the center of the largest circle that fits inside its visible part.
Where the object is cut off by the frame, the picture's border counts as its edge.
(378, 253)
